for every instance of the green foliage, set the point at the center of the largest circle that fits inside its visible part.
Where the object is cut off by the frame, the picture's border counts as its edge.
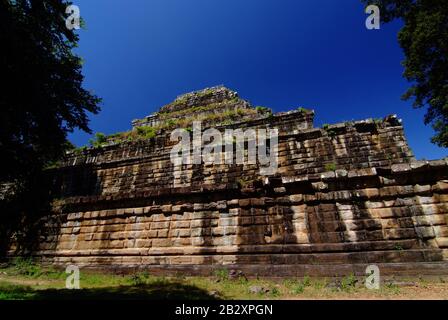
(262, 109)
(240, 112)
(243, 280)
(170, 123)
(222, 274)
(424, 40)
(306, 281)
(299, 288)
(26, 267)
(243, 183)
(319, 284)
(42, 96)
(138, 134)
(138, 279)
(100, 137)
(50, 283)
(301, 109)
(146, 132)
(99, 141)
(330, 167)
(274, 292)
(377, 121)
(15, 292)
(348, 283)
(330, 132)
(349, 123)
(80, 150)
(192, 110)
(228, 122)
(392, 287)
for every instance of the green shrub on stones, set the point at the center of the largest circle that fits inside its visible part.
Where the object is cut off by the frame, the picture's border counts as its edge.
(146, 133)
(330, 167)
(99, 141)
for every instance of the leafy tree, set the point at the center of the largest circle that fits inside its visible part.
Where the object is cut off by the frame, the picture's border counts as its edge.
(41, 101)
(424, 39)
(42, 98)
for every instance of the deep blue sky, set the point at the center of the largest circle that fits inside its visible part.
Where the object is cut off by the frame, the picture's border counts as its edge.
(141, 54)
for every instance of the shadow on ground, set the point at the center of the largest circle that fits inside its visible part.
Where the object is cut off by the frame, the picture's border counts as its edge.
(160, 291)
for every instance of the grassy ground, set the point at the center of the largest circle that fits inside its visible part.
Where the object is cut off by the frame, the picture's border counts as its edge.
(23, 279)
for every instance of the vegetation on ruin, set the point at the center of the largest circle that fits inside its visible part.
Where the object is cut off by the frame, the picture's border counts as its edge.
(302, 110)
(330, 131)
(100, 140)
(262, 109)
(138, 134)
(378, 122)
(244, 183)
(22, 279)
(145, 133)
(424, 41)
(349, 123)
(196, 95)
(195, 109)
(330, 167)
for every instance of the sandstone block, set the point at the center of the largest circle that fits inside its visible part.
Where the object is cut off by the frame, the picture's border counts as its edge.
(161, 243)
(425, 232)
(440, 186)
(442, 242)
(162, 233)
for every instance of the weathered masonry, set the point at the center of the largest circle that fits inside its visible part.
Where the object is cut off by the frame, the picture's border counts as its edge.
(344, 196)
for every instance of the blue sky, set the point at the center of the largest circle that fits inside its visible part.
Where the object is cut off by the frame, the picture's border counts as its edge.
(141, 54)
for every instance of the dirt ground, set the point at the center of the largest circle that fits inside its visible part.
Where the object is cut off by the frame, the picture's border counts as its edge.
(32, 282)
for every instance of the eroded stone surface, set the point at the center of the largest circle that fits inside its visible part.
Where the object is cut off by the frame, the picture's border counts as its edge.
(129, 205)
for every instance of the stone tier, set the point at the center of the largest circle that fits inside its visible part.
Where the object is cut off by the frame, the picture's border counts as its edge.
(302, 150)
(204, 105)
(366, 216)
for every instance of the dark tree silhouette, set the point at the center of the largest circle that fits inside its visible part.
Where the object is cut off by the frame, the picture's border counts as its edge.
(42, 98)
(424, 40)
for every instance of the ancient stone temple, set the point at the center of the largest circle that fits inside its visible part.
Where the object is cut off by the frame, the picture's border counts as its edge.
(343, 196)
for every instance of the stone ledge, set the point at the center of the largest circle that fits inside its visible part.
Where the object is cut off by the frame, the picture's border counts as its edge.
(427, 269)
(409, 245)
(318, 182)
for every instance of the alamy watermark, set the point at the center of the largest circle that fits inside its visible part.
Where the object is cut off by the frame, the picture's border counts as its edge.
(72, 280)
(373, 277)
(211, 147)
(373, 21)
(73, 21)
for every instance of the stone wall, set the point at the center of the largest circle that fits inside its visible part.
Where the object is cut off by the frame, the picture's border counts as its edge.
(396, 215)
(302, 150)
(344, 196)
